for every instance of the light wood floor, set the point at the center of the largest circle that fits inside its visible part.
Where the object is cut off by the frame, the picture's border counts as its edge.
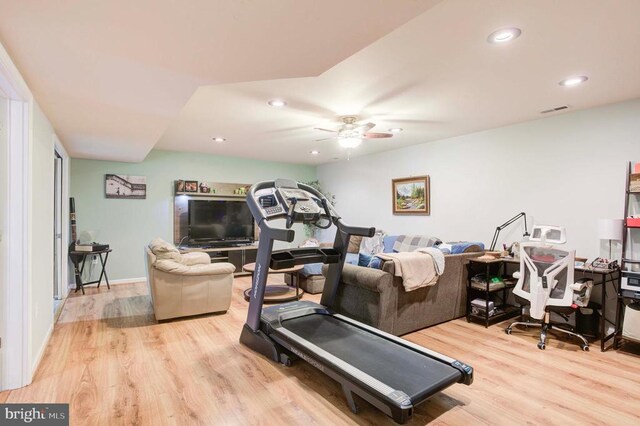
(115, 365)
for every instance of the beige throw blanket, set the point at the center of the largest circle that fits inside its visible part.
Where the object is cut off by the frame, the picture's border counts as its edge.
(420, 268)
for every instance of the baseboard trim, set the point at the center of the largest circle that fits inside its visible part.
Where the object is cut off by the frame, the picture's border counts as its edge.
(43, 348)
(128, 280)
(72, 286)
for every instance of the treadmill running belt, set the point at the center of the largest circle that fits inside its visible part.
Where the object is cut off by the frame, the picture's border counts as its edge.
(401, 368)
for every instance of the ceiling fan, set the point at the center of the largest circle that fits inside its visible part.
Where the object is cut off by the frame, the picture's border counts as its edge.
(350, 134)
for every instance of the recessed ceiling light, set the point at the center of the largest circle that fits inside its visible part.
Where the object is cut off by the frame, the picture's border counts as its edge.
(278, 103)
(504, 35)
(573, 81)
(219, 139)
(396, 130)
(314, 152)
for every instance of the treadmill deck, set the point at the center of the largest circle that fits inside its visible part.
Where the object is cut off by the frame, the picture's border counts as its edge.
(399, 367)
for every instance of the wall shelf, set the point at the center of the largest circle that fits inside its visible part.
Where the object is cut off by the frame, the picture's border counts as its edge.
(210, 195)
(626, 296)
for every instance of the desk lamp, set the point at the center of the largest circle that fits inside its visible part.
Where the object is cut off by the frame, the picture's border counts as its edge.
(610, 229)
(504, 225)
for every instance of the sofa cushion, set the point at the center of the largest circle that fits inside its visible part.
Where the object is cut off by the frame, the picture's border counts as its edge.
(388, 241)
(413, 242)
(354, 244)
(466, 247)
(164, 250)
(376, 262)
(364, 259)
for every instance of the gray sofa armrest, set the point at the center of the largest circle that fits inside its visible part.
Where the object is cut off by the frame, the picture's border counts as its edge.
(367, 295)
(367, 278)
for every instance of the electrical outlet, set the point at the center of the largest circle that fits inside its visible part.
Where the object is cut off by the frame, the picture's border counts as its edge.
(94, 260)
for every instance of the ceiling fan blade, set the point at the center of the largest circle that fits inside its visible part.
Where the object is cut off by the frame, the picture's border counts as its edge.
(365, 127)
(377, 135)
(323, 139)
(325, 130)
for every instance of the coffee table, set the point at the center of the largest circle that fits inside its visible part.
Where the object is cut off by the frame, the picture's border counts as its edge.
(277, 293)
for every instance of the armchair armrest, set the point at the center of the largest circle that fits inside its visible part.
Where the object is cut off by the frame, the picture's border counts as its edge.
(367, 278)
(173, 267)
(196, 258)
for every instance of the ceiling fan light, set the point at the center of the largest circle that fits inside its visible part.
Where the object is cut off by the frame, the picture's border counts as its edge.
(349, 142)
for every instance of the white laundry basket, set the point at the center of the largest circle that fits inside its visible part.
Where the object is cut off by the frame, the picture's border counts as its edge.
(631, 325)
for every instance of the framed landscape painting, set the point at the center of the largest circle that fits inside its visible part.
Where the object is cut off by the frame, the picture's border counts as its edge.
(411, 195)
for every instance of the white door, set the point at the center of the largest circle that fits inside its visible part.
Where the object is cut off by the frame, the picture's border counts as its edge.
(4, 142)
(57, 230)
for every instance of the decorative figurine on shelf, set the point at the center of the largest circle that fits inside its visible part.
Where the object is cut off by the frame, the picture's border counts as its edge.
(240, 191)
(179, 186)
(205, 188)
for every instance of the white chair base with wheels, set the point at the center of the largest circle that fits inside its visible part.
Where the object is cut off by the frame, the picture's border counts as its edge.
(546, 326)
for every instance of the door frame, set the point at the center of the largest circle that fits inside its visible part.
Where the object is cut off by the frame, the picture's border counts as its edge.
(64, 218)
(14, 321)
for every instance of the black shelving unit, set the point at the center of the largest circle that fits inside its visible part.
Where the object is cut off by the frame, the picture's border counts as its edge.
(629, 261)
(499, 296)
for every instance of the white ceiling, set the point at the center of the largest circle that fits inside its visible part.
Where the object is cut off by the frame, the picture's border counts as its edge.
(111, 75)
(111, 93)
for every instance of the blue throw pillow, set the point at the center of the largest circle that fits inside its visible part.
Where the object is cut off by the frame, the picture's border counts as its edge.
(388, 241)
(376, 262)
(364, 259)
(352, 258)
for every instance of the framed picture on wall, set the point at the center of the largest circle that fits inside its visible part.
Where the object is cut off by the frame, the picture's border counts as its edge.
(191, 186)
(411, 195)
(124, 186)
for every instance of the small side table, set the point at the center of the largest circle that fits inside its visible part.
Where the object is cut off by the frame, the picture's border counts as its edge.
(277, 293)
(79, 258)
(490, 267)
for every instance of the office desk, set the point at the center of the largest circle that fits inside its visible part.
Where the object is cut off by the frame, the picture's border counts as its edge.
(600, 276)
(79, 258)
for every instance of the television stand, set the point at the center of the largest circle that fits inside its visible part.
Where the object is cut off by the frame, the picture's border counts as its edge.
(236, 255)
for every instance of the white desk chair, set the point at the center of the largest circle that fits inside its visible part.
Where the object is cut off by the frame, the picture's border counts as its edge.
(546, 283)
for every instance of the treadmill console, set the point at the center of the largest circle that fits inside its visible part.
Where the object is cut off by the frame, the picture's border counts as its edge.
(300, 205)
(296, 204)
(268, 202)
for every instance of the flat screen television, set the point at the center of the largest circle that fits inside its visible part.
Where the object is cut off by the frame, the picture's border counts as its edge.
(218, 221)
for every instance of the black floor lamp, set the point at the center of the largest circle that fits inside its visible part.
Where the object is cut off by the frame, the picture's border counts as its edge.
(507, 223)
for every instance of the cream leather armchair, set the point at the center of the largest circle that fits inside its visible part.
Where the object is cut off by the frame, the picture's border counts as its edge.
(186, 284)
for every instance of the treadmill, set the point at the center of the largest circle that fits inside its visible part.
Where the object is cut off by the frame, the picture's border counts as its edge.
(391, 373)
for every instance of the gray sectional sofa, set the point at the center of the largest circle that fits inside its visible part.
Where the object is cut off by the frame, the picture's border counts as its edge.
(376, 297)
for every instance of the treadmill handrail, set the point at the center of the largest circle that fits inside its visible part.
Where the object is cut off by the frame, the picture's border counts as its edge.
(355, 230)
(281, 234)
